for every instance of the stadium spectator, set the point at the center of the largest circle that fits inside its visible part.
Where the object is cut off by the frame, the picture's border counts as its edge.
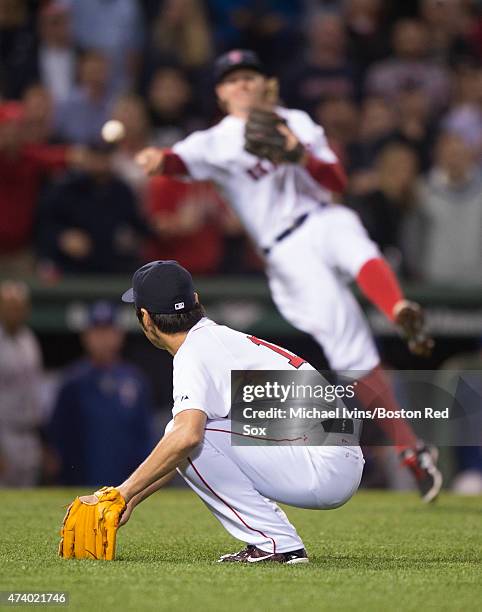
(116, 29)
(384, 210)
(410, 66)
(366, 25)
(270, 27)
(377, 126)
(131, 111)
(465, 115)
(449, 216)
(415, 124)
(38, 114)
(325, 70)
(101, 426)
(445, 22)
(57, 58)
(227, 18)
(80, 117)
(187, 217)
(173, 112)
(20, 373)
(17, 48)
(340, 119)
(473, 31)
(23, 167)
(88, 221)
(181, 34)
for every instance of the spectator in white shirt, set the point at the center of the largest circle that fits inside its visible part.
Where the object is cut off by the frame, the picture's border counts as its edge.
(20, 406)
(56, 53)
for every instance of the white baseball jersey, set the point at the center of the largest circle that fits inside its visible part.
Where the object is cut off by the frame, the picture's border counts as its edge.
(203, 364)
(266, 197)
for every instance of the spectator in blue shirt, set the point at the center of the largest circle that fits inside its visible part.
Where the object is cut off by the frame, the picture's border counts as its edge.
(101, 427)
(79, 117)
(116, 28)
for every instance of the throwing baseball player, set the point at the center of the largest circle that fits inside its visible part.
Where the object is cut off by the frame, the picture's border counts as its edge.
(239, 484)
(278, 172)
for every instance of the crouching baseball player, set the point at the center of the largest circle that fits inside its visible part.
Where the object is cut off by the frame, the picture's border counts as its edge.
(239, 484)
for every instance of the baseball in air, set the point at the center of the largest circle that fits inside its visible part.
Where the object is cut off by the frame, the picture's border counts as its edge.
(113, 131)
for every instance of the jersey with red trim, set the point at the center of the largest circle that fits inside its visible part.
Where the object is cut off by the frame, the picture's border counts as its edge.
(203, 364)
(267, 197)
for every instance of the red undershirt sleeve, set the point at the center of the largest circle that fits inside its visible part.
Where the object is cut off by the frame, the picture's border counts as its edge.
(329, 176)
(173, 164)
(380, 285)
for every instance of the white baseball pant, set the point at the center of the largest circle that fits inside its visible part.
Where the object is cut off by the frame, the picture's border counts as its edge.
(308, 272)
(240, 484)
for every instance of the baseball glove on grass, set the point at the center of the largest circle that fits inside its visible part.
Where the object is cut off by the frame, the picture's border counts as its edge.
(89, 528)
(265, 139)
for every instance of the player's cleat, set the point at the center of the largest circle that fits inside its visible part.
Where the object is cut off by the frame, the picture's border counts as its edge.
(252, 554)
(422, 462)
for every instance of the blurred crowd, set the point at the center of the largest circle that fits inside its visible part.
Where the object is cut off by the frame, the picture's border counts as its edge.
(397, 87)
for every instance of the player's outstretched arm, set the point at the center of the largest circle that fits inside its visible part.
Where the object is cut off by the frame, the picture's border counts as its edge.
(161, 161)
(151, 160)
(175, 446)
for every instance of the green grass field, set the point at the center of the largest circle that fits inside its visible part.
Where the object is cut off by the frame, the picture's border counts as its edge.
(382, 551)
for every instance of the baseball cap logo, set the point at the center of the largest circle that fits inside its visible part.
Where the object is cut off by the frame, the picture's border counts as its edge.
(179, 305)
(235, 56)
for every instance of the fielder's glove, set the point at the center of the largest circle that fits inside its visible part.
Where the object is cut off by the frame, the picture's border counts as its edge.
(90, 527)
(264, 138)
(409, 318)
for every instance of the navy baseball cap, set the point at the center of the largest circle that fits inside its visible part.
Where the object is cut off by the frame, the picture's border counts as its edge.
(235, 59)
(101, 314)
(162, 287)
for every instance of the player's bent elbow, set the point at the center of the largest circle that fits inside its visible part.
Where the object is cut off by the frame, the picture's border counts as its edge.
(189, 429)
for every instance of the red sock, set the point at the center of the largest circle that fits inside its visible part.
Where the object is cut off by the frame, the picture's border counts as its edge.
(374, 390)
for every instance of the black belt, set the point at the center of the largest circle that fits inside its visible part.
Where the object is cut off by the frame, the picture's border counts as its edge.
(299, 221)
(341, 426)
